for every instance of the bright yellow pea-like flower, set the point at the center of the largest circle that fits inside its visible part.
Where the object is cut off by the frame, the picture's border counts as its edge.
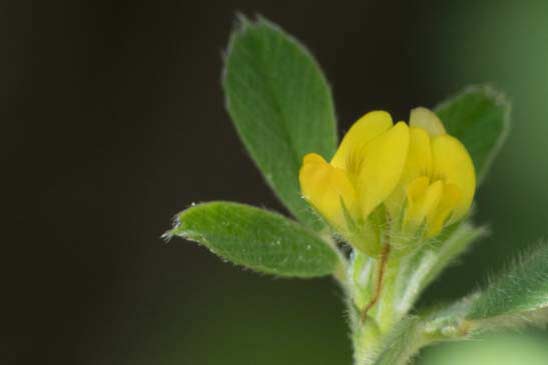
(363, 173)
(420, 174)
(438, 181)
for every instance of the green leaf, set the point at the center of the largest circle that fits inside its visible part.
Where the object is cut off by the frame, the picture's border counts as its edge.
(281, 105)
(480, 118)
(257, 239)
(523, 288)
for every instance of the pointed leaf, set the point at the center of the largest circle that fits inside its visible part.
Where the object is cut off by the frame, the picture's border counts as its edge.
(480, 118)
(257, 239)
(521, 289)
(281, 105)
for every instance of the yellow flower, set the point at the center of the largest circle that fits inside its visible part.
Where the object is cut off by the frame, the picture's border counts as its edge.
(363, 173)
(438, 181)
(421, 176)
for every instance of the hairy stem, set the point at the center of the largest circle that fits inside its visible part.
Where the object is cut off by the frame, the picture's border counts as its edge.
(380, 278)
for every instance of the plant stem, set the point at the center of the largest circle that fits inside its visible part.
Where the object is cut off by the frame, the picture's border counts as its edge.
(380, 278)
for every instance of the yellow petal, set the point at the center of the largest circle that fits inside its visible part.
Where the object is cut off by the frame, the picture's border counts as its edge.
(362, 132)
(450, 198)
(419, 157)
(416, 188)
(422, 201)
(418, 163)
(452, 164)
(381, 167)
(413, 191)
(426, 119)
(324, 186)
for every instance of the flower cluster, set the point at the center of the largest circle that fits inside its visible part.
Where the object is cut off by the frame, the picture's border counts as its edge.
(415, 179)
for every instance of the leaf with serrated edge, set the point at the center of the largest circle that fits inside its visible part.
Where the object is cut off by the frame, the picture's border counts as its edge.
(257, 239)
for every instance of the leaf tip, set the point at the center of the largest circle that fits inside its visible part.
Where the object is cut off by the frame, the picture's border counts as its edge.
(175, 223)
(177, 228)
(241, 20)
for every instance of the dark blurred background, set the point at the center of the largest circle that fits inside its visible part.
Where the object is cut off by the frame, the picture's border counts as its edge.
(113, 120)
